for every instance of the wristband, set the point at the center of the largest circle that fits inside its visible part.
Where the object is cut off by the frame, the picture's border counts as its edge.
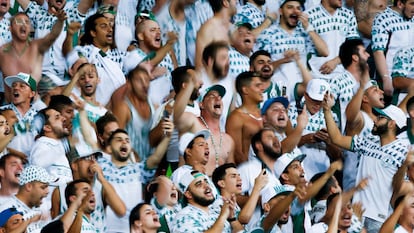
(386, 76)
(310, 28)
(230, 220)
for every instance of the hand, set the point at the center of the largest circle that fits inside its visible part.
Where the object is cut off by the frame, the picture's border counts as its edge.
(79, 104)
(300, 190)
(261, 180)
(60, 14)
(167, 127)
(272, 15)
(322, 136)
(96, 169)
(172, 37)
(290, 55)
(303, 118)
(80, 199)
(328, 101)
(73, 28)
(303, 18)
(362, 184)
(358, 210)
(308, 139)
(194, 78)
(329, 66)
(227, 210)
(336, 166)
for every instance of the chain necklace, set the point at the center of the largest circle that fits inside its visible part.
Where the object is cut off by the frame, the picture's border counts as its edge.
(216, 150)
(251, 115)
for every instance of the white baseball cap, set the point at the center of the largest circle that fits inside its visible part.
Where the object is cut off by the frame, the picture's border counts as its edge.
(187, 138)
(187, 178)
(285, 160)
(35, 173)
(394, 113)
(317, 88)
(270, 192)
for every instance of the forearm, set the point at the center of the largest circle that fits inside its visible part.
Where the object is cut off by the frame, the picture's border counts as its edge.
(68, 217)
(181, 101)
(160, 150)
(67, 46)
(266, 23)
(292, 140)
(277, 212)
(392, 220)
(336, 137)
(320, 45)
(381, 65)
(248, 209)
(112, 199)
(160, 54)
(402, 83)
(77, 224)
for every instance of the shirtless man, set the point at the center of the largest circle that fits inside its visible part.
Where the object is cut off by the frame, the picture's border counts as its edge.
(246, 121)
(134, 112)
(23, 54)
(216, 28)
(221, 145)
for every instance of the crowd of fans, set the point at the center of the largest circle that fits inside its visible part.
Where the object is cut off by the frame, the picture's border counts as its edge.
(206, 116)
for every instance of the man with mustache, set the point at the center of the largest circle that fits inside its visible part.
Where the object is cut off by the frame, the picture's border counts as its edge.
(289, 43)
(199, 215)
(127, 177)
(262, 63)
(221, 145)
(33, 188)
(344, 86)
(215, 71)
(267, 149)
(385, 156)
(97, 45)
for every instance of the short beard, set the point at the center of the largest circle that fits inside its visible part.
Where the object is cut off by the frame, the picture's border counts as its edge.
(380, 129)
(202, 201)
(218, 71)
(120, 158)
(194, 95)
(270, 152)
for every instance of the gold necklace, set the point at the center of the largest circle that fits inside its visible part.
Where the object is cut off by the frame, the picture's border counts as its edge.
(251, 115)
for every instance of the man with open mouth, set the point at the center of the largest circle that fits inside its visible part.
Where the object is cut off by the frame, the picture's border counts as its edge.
(128, 178)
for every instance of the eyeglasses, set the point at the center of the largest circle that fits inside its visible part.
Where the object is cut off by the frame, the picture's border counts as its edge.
(21, 22)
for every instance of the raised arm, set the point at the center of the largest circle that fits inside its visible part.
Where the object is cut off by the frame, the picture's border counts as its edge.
(319, 43)
(337, 138)
(294, 136)
(154, 159)
(313, 189)
(184, 122)
(46, 42)
(382, 68)
(248, 209)
(354, 120)
(277, 211)
(84, 5)
(109, 195)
